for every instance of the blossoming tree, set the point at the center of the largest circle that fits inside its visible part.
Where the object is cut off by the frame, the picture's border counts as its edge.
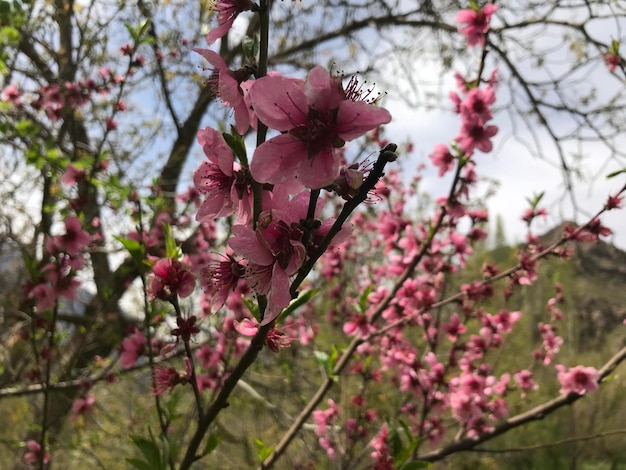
(297, 232)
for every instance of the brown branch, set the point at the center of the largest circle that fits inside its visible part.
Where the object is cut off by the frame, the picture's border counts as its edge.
(552, 444)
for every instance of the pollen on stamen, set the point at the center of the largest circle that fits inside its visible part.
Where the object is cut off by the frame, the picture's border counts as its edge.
(356, 91)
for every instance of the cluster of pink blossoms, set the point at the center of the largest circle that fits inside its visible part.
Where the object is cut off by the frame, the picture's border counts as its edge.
(57, 277)
(314, 117)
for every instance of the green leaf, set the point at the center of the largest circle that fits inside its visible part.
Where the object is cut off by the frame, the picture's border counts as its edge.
(211, 443)
(150, 450)
(615, 173)
(171, 250)
(253, 308)
(263, 451)
(363, 299)
(302, 299)
(136, 250)
(237, 145)
(327, 361)
(536, 199)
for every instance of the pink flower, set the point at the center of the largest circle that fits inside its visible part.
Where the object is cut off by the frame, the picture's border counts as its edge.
(72, 175)
(525, 381)
(44, 296)
(275, 339)
(171, 277)
(34, 450)
(578, 379)
(11, 93)
(227, 11)
(83, 405)
(316, 117)
(219, 279)
(132, 347)
(74, 240)
(442, 159)
(475, 135)
(612, 60)
(166, 378)
(273, 254)
(476, 24)
(454, 328)
(215, 178)
(477, 103)
(226, 85)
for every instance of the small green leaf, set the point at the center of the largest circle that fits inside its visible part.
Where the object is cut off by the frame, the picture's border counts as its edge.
(171, 250)
(252, 306)
(237, 145)
(363, 299)
(263, 451)
(211, 443)
(327, 361)
(615, 173)
(302, 299)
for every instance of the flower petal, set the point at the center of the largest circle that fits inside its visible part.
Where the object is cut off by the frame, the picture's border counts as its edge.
(279, 102)
(319, 171)
(355, 118)
(278, 159)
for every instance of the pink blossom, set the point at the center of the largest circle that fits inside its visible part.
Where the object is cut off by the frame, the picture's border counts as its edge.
(614, 202)
(171, 277)
(11, 94)
(83, 405)
(34, 451)
(44, 296)
(132, 348)
(74, 240)
(579, 379)
(477, 103)
(612, 60)
(316, 117)
(475, 135)
(379, 443)
(167, 377)
(442, 159)
(72, 175)
(454, 328)
(219, 279)
(227, 11)
(273, 253)
(275, 340)
(226, 85)
(476, 24)
(215, 178)
(525, 381)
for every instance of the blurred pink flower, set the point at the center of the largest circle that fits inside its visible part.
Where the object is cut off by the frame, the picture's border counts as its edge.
(34, 450)
(132, 348)
(476, 24)
(578, 379)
